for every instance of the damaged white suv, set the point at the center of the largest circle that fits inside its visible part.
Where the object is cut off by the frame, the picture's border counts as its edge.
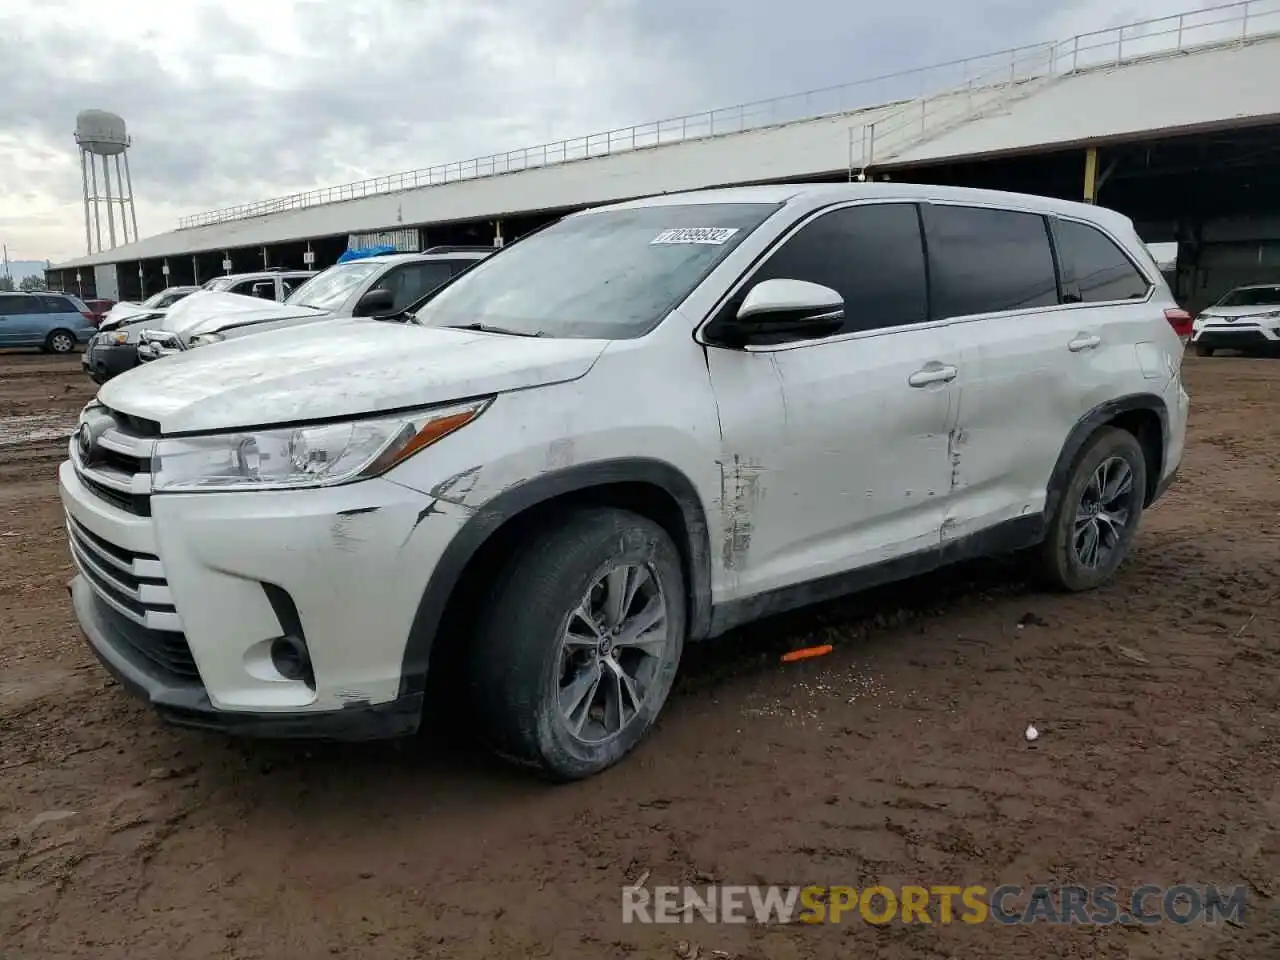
(639, 427)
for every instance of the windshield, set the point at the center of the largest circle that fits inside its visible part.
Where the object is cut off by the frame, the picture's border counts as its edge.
(156, 299)
(614, 274)
(219, 283)
(1251, 297)
(328, 290)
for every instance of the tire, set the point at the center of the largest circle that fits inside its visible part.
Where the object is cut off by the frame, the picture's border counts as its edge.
(60, 341)
(1203, 351)
(1064, 558)
(521, 665)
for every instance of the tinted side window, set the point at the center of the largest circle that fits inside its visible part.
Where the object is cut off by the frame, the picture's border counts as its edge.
(871, 255)
(11, 306)
(56, 305)
(413, 280)
(1094, 269)
(984, 261)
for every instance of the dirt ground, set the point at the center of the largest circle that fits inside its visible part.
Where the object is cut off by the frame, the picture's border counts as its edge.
(898, 759)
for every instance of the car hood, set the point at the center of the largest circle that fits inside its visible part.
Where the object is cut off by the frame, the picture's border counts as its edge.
(208, 310)
(1210, 312)
(125, 312)
(339, 368)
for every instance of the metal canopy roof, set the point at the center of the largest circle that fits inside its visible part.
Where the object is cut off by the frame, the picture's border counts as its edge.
(1219, 66)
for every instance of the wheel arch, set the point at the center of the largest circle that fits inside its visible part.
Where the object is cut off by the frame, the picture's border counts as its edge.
(650, 487)
(1142, 414)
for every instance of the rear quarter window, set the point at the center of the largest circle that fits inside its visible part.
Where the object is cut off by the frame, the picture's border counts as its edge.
(56, 305)
(1094, 268)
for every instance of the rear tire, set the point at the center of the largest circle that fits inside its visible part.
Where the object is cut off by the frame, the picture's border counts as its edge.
(1203, 351)
(578, 644)
(60, 341)
(1098, 514)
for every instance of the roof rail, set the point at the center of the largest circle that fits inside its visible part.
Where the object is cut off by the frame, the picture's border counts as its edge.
(458, 248)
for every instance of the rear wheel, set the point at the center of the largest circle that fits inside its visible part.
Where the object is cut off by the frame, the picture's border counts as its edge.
(1098, 514)
(579, 642)
(60, 341)
(1203, 351)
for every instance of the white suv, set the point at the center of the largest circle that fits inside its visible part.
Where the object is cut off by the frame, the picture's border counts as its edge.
(1246, 318)
(641, 426)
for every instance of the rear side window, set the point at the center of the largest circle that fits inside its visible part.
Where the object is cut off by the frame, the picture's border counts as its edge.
(13, 306)
(986, 261)
(56, 305)
(1094, 269)
(870, 254)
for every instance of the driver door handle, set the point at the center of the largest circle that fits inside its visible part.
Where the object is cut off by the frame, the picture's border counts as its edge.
(1084, 341)
(933, 373)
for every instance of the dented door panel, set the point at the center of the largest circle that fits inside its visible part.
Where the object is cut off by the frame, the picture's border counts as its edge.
(831, 459)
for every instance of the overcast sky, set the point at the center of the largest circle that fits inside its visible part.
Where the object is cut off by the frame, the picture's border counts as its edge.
(230, 101)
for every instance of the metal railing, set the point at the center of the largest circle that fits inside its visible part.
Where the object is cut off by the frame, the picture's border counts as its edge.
(1027, 68)
(967, 86)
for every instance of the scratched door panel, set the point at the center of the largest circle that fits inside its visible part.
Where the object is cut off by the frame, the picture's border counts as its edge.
(831, 461)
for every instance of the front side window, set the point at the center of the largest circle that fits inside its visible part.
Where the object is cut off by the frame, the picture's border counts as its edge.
(1251, 297)
(612, 274)
(1094, 269)
(330, 289)
(870, 254)
(987, 261)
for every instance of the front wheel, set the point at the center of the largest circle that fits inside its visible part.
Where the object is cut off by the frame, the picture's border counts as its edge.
(1098, 513)
(579, 642)
(60, 341)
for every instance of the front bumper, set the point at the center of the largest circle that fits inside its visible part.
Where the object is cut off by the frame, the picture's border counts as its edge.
(183, 606)
(122, 647)
(104, 361)
(1242, 334)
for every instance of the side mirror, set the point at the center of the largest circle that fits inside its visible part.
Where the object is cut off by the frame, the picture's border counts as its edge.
(782, 310)
(375, 302)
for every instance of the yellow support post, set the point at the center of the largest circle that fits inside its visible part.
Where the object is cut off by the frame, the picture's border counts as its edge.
(1091, 175)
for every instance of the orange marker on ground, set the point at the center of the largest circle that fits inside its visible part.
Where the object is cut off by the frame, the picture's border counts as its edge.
(808, 653)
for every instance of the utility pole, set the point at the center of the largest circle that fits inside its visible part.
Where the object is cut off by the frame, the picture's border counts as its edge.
(6, 265)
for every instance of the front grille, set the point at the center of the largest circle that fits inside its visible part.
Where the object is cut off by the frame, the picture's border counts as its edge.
(161, 653)
(116, 463)
(132, 584)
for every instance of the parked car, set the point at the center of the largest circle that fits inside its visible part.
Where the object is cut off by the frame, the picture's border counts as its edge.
(379, 284)
(642, 426)
(99, 307)
(275, 285)
(54, 322)
(1246, 319)
(155, 304)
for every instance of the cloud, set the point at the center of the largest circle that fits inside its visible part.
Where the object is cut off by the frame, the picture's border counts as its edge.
(229, 102)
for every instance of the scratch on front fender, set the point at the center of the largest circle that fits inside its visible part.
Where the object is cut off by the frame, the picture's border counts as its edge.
(740, 493)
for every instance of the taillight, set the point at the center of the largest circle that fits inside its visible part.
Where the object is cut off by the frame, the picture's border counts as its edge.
(1180, 320)
(89, 316)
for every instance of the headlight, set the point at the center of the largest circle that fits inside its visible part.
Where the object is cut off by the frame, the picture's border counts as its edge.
(319, 455)
(204, 339)
(113, 336)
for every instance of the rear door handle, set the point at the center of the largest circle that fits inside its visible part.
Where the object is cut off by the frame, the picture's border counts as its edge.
(1084, 341)
(933, 373)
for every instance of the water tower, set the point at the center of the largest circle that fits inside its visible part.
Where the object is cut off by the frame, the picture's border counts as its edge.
(102, 136)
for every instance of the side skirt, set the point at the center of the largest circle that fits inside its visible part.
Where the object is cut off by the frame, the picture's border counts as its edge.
(1003, 538)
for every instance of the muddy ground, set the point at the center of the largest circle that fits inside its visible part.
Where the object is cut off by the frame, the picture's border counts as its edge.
(898, 759)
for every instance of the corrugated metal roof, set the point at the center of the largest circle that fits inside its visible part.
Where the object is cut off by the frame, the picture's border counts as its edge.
(1232, 83)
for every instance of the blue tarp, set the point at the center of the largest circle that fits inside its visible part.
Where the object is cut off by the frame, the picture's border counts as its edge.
(365, 252)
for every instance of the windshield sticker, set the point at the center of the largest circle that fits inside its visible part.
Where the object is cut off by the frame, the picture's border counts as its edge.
(712, 235)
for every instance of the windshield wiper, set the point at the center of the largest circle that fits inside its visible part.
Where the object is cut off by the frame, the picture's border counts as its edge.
(490, 328)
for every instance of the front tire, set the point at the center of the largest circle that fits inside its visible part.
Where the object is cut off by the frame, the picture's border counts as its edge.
(60, 341)
(1095, 521)
(578, 645)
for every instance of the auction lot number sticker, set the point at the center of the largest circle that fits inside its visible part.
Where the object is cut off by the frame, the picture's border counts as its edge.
(711, 235)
